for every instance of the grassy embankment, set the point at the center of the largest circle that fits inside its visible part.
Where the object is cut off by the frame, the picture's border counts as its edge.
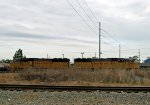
(79, 77)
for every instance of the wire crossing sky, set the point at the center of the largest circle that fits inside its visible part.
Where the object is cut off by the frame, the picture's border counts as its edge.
(48, 26)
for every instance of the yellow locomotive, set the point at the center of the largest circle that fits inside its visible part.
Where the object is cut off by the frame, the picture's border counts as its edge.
(108, 63)
(36, 63)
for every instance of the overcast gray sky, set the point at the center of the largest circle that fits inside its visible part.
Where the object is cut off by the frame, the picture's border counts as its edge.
(39, 27)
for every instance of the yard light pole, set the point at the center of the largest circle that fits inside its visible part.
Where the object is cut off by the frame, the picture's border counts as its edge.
(82, 54)
(63, 56)
(119, 50)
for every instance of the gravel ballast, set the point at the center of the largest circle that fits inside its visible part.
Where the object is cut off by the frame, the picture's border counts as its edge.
(72, 98)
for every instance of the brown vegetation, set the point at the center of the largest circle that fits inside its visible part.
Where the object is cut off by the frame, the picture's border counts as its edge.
(79, 77)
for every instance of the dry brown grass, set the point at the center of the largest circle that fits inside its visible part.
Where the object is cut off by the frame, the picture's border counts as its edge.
(79, 77)
(7, 77)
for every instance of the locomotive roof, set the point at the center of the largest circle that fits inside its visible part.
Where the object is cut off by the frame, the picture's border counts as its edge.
(102, 59)
(42, 59)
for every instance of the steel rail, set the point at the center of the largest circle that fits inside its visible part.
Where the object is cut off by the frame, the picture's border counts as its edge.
(74, 88)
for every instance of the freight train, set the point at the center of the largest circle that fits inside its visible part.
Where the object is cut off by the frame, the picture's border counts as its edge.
(79, 64)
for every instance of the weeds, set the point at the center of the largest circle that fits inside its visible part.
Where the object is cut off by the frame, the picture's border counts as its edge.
(99, 76)
(78, 77)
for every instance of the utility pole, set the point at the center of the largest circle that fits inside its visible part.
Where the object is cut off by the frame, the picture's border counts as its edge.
(95, 54)
(47, 55)
(100, 40)
(63, 56)
(82, 54)
(139, 55)
(119, 50)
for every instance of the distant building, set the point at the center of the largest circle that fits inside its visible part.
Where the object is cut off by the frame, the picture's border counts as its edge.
(146, 63)
(147, 60)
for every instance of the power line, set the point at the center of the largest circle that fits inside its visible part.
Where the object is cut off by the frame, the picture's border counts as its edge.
(85, 12)
(110, 36)
(89, 18)
(90, 10)
(108, 39)
(97, 19)
(81, 16)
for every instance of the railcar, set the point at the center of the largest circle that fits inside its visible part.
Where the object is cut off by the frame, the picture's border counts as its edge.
(108, 63)
(36, 63)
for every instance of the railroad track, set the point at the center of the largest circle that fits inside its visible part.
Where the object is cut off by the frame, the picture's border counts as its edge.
(73, 88)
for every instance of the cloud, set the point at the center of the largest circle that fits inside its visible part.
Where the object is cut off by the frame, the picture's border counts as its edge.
(54, 22)
(23, 35)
